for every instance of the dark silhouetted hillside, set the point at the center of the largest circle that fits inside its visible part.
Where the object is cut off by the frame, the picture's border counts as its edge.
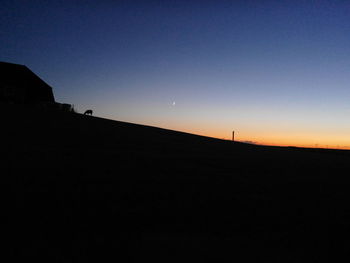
(85, 189)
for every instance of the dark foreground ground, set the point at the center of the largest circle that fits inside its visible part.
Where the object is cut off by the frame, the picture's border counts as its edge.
(85, 189)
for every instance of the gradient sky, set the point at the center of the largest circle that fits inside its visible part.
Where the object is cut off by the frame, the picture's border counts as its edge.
(276, 72)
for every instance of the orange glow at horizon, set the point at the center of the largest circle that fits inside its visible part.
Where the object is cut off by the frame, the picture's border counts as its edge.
(260, 134)
(279, 139)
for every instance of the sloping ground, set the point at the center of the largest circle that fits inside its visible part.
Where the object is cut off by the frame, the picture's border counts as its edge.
(85, 189)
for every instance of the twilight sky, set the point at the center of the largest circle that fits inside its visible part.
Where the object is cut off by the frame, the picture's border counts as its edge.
(276, 72)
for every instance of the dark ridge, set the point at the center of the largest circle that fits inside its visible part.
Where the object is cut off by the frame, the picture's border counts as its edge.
(86, 189)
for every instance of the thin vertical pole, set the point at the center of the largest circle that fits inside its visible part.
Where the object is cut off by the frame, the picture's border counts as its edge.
(233, 136)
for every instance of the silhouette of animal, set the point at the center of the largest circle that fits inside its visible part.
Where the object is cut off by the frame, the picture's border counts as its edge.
(88, 112)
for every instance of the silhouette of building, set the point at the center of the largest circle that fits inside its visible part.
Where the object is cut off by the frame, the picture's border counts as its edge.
(18, 84)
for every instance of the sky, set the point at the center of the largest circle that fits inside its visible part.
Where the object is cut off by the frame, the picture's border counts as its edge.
(275, 72)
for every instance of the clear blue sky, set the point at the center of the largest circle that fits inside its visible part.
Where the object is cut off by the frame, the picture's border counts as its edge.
(277, 72)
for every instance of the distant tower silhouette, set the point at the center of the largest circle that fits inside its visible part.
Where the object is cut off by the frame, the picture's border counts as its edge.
(233, 136)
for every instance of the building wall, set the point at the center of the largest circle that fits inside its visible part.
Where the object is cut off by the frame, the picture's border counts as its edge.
(18, 84)
(11, 94)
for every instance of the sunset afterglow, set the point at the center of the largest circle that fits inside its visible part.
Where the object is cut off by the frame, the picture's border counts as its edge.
(276, 72)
